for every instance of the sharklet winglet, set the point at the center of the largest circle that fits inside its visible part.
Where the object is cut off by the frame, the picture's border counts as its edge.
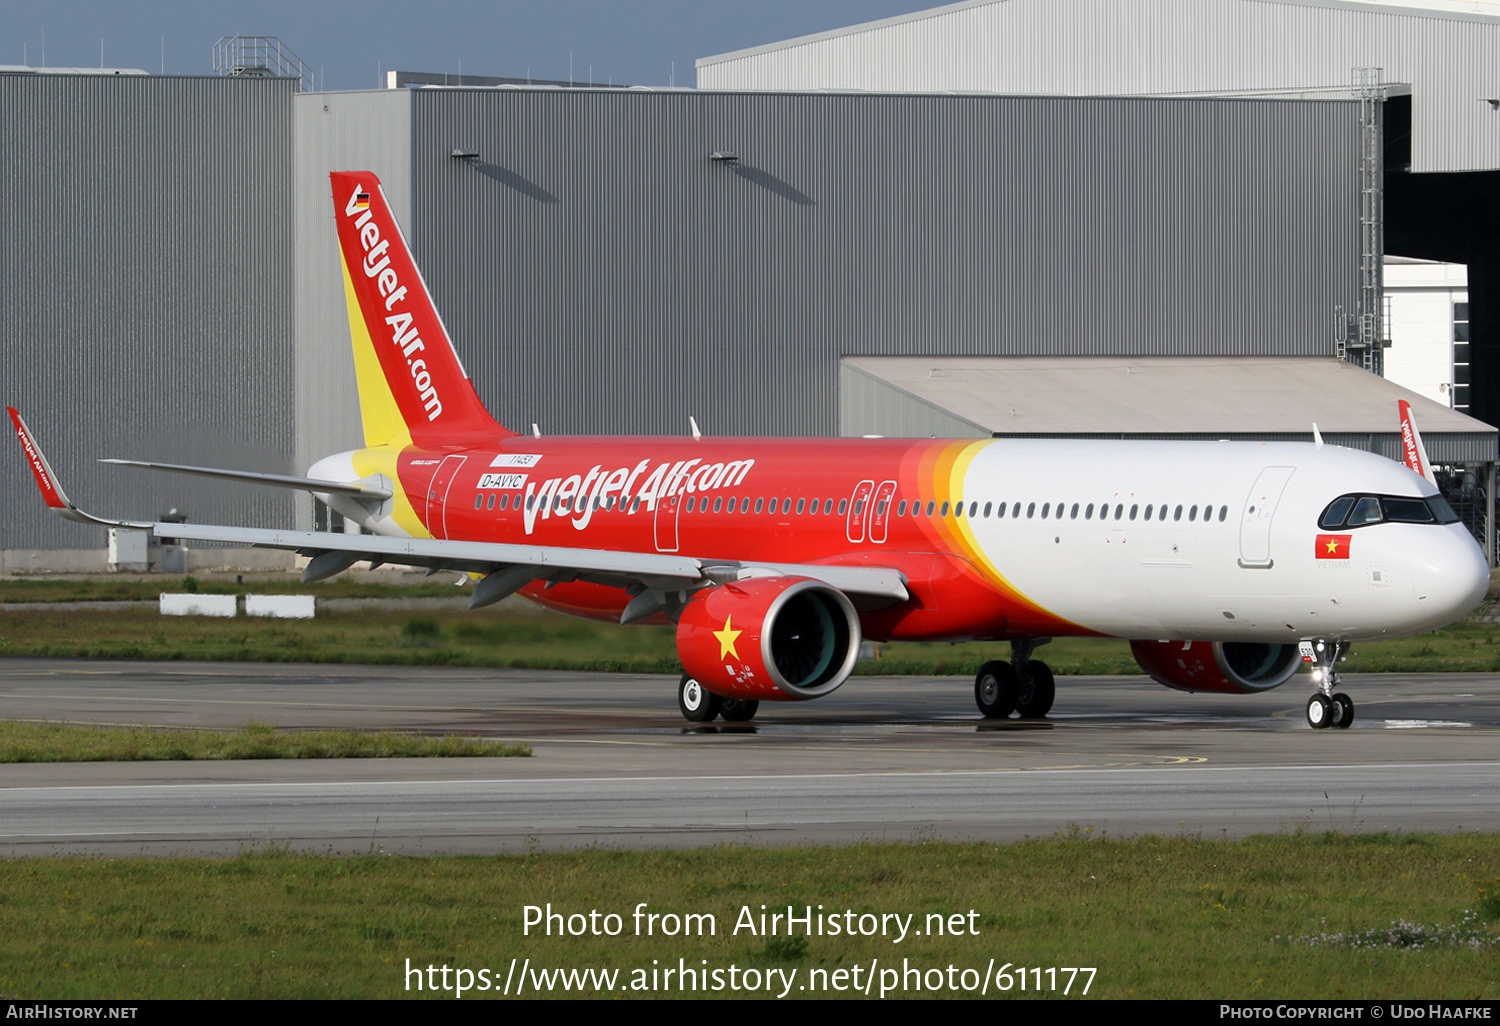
(51, 488)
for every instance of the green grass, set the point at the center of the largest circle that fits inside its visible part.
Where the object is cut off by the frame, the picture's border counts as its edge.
(501, 637)
(1292, 916)
(457, 638)
(62, 742)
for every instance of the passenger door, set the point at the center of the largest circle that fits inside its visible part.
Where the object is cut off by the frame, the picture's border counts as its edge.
(1255, 522)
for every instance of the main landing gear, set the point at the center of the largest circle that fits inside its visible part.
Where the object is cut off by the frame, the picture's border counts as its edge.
(700, 705)
(1024, 685)
(1329, 708)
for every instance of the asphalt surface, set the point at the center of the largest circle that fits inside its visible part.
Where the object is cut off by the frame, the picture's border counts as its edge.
(898, 759)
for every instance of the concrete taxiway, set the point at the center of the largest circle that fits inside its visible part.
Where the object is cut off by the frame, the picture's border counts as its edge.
(882, 759)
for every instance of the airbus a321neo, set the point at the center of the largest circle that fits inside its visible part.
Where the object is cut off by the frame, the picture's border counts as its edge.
(1227, 564)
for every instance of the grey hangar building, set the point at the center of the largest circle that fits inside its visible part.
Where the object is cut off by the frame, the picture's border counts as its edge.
(772, 253)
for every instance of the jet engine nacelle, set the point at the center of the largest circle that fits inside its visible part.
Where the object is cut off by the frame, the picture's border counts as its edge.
(1228, 667)
(778, 638)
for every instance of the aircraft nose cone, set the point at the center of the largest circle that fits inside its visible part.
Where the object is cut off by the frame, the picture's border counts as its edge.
(1455, 584)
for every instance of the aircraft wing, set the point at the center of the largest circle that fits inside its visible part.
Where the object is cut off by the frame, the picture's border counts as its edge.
(505, 568)
(520, 564)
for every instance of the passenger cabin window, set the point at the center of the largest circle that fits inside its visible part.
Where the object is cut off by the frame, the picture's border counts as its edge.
(759, 504)
(843, 506)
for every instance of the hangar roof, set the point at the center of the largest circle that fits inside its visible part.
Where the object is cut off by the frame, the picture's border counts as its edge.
(1176, 396)
(1441, 52)
(1476, 9)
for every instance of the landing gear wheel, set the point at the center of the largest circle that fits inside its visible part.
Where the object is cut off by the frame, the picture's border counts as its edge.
(698, 704)
(995, 690)
(1345, 710)
(738, 710)
(1319, 711)
(1037, 690)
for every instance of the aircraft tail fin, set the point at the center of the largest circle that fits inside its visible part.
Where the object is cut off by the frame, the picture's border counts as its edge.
(1412, 449)
(411, 382)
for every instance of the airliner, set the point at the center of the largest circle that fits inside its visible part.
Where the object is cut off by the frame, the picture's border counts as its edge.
(1226, 564)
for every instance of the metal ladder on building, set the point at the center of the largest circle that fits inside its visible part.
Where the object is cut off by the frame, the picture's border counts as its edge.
(1360, 339)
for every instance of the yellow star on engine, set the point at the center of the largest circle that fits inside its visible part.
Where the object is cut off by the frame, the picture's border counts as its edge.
(726, 640)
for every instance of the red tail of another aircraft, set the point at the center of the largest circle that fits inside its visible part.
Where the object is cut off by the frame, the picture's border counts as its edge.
(411, 383)
(1413, 452)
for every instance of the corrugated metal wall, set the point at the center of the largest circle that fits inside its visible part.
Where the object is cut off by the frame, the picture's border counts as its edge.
(145, 292)
(363, 131)
(601, 273)
(1107, 47)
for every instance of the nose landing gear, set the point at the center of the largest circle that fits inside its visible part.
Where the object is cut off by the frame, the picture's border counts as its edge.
(1329, 708)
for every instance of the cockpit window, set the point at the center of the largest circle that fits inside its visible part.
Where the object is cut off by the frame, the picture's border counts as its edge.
(1407, 511)
(1348, 511)
(1337, 510)
(1441, 510)
(1366, 511)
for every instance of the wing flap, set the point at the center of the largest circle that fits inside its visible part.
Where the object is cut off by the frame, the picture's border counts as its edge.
(446, 554)
(602, 566)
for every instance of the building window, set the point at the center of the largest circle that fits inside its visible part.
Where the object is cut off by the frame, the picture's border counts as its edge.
(1460, 356)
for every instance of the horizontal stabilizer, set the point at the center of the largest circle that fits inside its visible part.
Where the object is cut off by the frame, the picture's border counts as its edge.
(361, 491)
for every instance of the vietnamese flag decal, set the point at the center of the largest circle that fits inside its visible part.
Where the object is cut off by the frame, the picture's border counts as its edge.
(1332, 546)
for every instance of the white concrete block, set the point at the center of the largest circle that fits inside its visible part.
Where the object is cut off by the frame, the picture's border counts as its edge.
(297, 607)
(198, 605)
